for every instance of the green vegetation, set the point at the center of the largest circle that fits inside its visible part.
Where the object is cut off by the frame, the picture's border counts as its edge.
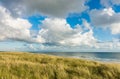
(40, 66)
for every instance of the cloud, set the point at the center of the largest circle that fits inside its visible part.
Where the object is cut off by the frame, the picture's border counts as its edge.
(54, 31)
(108, 45)
(106, 18)
(116, 2)
(13, 28)
(56, 8)
(110, 3)
(57, 31)
(115, 28)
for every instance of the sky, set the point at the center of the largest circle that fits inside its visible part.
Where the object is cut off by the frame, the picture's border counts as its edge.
(60, 25)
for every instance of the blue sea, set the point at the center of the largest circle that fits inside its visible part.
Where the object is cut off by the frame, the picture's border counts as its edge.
(97, 56)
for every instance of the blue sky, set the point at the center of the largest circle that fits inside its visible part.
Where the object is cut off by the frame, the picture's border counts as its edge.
(83, 25)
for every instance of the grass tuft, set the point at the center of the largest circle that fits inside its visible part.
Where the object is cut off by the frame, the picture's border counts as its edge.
(20, 65)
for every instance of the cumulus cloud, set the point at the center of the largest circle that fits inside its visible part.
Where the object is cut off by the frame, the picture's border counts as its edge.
(106, 18)
(13, 28)
(56, 8)
(54, 31)
(110, 3)
(57, 31)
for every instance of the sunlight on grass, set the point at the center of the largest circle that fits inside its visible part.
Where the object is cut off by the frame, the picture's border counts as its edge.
(39, 66)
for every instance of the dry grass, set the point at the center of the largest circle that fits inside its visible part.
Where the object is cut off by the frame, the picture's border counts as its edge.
(39, 66)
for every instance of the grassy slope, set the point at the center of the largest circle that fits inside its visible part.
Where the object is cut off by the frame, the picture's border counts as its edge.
(37, 66)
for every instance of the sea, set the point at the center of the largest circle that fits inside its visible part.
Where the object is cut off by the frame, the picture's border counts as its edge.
(97, 56)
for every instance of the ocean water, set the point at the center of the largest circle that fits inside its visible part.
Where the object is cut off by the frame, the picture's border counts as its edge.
(97, 56)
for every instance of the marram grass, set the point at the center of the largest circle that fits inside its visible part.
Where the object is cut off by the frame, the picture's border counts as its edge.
(15, 65)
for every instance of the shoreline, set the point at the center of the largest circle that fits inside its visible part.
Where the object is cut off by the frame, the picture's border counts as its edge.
(75, 57)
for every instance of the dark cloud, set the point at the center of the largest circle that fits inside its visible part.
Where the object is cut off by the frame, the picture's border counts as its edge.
(56, 8)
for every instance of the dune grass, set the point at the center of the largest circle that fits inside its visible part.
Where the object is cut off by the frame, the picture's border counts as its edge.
(39, 66)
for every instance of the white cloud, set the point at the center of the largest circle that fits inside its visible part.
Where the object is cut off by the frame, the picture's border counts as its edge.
(31, 46)
(106, 18)
(53, 31)
(108, 45)
(106, 3)
(110, 3)
(115, 28)
(59, 32)
(116, 2)
(57, 8)
(13, 28)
